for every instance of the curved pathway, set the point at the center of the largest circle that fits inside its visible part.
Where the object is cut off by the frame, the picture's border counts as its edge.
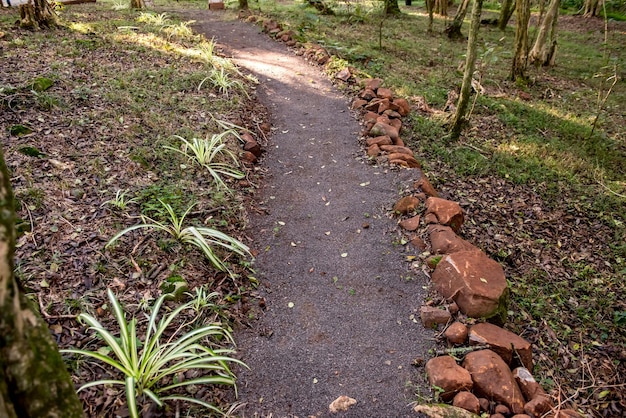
(342, 306)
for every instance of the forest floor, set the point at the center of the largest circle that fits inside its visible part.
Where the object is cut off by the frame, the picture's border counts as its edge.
(329, 306)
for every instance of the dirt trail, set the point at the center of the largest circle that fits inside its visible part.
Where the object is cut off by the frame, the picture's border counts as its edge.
(338, 290)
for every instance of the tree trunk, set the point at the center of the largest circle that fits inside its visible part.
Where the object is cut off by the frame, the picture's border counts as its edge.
(33, 380)
(430, 7)
(454, 30)
(520, 59)
(544, 49)
(508, 7)
(137, 4)
(37, 14)
(391, 7)
(470, 59)
(441, 7)
(592, 7)
(243, 4)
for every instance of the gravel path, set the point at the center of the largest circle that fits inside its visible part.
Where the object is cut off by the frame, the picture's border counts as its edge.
(339, 294)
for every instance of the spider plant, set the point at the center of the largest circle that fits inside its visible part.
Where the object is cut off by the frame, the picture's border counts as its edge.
(201, 237)
(154, 365)
(120, 201)
(206, 152)
(223, 81)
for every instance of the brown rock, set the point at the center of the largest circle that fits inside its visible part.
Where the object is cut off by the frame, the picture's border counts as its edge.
(443, 411)
(358, 104)
(392, 114)
(373, 83)
(343, 75)
(285, 38)
(453, 308)
(496, 416)
(456, 333)
(396, 123)
(367, 94)
(447, 212)
(370, 116)
(403, 106)
(373, 106)
(443, 240)
(384, 93)
(409, 159)
(248, 157)
(567, 413)
(383, 106)
(399, 163)
(418, 243)
(432, 316)
(411, 224)
(519, 416)
(379, 140)
(443, 372)
(253, 147)
(373, 151)
(430, 219)
(502, 409)
(485, 405)
(394, 149)
(474, 281)
(538, 406)
(467, 401)
(380, 129)
(342, 403)
(292, 42)
(527, 383)
(503, 342)
(493, 379)
(424, 185)
(399, 142)
(383, 119)
(406, 204)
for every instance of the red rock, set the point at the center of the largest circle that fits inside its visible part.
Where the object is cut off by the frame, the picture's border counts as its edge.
(343, 75)
(373, 106)
(253, 147)
(443, 372)
(406, 204)
(430, 219)
(424, 185)
(383, 105)
(443, 240)
(567, 413)
(292, 42)
(432, 316)
(367, 94)
(409, 159)
(467, 401)
(527, 383)
(496, 416)
(392, 114)
(493, 379)
(274, 32)
(370, 116)
(418, 243)
(403, 106)
(248, 157)
(373, 151)
(453, 308)
(411, 224)
(368, 127)
(396, 123)
(485, 405)
(380, 129)
(342, 403)
(395, 148)
(456, 333)
(285, 38)
(474, 281)
(502, 409)
(447, 212)
(384, 93)
(373, 83)
(358, 104)
(503, 342)
(538, 406)
(379, 140)
(383, 119)
(519, 416)
(398, 142)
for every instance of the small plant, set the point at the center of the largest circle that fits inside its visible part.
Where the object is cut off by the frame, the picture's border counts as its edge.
(202, 299)
(223, 81)
(206, 153)
(154, 19)
(147, 364)
(120, 201)
(202, 237)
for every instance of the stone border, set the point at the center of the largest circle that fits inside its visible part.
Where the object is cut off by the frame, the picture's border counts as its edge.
(495, 375)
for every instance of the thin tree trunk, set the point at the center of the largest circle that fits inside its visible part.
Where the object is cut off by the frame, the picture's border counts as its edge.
(243, 4)
(37, 14)
(454, 30)
(137, 4)
(441, 7)
(520, 59)
(392, 8)
(592, 7)
(543, 51)
(33, 380)
(430, 7)
(508, 7)
(470, 59)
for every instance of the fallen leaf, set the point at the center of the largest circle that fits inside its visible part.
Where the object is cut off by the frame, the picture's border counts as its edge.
(344, 255)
